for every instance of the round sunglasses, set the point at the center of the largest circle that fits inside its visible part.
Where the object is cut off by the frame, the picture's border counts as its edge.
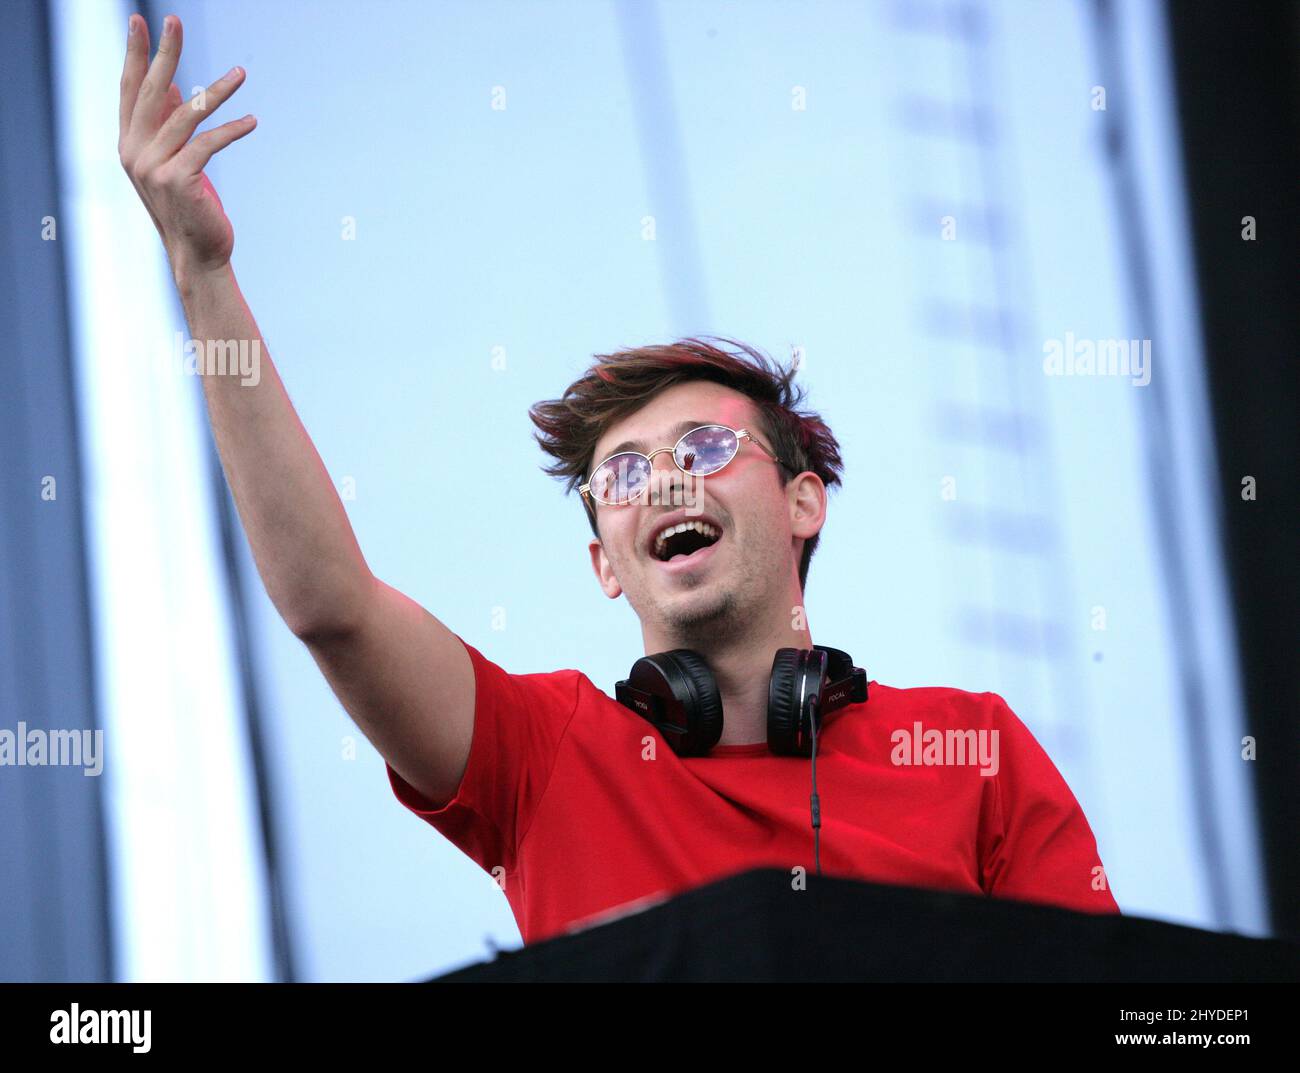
(625, 476)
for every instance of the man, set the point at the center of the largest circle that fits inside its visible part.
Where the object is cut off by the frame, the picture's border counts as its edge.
(572, 800)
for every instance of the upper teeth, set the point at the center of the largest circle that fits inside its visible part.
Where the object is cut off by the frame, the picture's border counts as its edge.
(700, 527)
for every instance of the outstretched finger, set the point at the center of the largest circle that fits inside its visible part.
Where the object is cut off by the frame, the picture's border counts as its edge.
(149, 112)
(183, 121)
(133, 70)
(194, 157)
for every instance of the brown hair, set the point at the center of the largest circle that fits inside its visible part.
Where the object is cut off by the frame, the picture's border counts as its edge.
(620, 383)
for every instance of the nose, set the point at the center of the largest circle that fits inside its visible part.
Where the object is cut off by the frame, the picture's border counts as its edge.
(665, 477)
(663, 459)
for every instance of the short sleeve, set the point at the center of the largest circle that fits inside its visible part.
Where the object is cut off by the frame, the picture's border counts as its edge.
(1035, 842)
(519, 723)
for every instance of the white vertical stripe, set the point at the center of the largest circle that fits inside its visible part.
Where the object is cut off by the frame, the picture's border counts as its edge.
(188, 875)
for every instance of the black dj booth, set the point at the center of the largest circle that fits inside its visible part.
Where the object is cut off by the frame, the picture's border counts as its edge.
(757, 926)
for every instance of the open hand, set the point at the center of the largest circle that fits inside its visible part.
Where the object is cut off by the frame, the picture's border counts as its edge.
(164, 162)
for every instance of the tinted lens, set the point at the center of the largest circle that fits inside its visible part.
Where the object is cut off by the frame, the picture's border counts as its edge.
(620, 478)
(706, 450)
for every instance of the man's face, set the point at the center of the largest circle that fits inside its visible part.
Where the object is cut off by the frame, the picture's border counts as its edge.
(708, 594)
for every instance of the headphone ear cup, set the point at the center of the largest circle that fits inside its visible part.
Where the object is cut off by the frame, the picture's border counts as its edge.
(685, 683)
(704, 708)
(795, 687)
(782, 718)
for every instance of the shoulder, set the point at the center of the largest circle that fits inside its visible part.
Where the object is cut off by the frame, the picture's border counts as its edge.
(941, 704)
(564, 687)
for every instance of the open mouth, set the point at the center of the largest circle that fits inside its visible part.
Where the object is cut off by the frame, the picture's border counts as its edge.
(680, 542)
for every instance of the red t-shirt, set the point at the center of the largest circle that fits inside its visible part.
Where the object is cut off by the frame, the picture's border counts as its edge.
(577, 805)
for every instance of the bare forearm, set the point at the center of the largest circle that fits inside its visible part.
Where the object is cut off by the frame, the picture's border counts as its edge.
(300, 535)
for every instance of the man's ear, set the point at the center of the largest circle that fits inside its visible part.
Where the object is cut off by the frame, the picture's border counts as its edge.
(807, 499)
(604, 572)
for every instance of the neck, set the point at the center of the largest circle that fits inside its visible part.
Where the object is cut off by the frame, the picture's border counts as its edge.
(742, 665)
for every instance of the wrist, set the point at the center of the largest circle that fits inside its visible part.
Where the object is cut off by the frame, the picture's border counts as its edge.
(193, 279)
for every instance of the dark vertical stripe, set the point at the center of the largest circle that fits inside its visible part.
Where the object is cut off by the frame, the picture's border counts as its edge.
(54, 880)
(1237, 68)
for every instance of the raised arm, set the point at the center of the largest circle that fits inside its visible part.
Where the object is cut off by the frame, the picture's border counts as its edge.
(401, 674)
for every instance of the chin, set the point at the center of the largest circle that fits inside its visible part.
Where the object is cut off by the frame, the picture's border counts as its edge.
(701, 610)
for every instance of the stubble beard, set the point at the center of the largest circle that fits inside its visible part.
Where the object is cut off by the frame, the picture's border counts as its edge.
(720, 613)
(706, 622)
(710, 612)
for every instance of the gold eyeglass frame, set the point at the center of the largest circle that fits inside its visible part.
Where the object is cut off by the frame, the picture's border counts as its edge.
(740, 434)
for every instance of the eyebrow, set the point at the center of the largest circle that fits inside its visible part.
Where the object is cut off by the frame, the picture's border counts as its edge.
(678, 430)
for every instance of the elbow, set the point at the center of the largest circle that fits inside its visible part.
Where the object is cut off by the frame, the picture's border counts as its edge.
(318, 623)
(318, 632)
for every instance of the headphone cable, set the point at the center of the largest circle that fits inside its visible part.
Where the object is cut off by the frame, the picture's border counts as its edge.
(816, 802)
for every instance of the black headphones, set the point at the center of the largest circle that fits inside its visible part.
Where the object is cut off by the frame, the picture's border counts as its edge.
(677, 693)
